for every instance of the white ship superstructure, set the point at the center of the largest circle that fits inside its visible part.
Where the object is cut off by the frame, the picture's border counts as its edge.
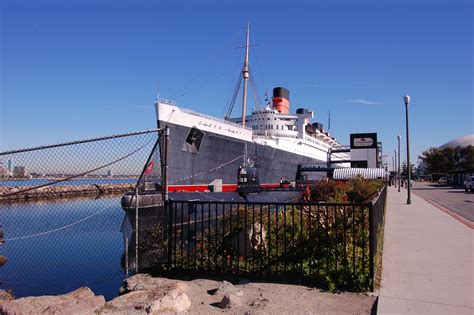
(204, 148)
(292, 133)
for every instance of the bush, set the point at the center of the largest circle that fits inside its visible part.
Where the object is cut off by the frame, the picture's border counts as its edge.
(328, 191)
(356, 190)
(361, 190)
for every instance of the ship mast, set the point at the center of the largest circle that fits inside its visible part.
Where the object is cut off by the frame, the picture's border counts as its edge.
(245, 76)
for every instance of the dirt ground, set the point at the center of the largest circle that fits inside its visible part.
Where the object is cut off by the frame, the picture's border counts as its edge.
(272, 298)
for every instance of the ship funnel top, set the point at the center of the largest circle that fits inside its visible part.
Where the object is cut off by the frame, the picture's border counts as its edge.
(281, 100)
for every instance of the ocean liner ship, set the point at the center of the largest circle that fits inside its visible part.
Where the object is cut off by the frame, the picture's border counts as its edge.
(204, 148)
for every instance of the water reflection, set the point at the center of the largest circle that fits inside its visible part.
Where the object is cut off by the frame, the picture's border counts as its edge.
(55, 246)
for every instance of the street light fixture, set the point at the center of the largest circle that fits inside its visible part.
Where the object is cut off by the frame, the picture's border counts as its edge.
(398, 173)
(406, 99)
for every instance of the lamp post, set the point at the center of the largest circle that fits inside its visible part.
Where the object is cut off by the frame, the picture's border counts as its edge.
(406, 99)
(398, 173)
(395, 167)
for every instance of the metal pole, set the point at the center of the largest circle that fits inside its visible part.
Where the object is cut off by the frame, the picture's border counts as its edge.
(408, 157)
(372, 240)
(165, 182)
(136, 230)
(126, 256)
(395, 167)
(398, 173)
(245, 75)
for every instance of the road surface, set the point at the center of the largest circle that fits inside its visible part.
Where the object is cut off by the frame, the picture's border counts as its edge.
(454, 199)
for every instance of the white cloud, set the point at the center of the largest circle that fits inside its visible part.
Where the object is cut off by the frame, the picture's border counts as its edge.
(363, 101)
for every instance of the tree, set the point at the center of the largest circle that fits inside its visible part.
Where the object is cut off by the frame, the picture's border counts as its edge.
(438, 160)
(465, 157)
(404, 170)
(448, 159)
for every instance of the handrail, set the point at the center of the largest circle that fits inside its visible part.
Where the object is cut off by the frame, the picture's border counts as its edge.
(228, 122)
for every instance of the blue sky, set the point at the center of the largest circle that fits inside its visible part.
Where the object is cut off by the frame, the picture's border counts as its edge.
(80, 69)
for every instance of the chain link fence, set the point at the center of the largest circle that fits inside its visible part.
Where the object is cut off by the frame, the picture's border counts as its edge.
(62, 225)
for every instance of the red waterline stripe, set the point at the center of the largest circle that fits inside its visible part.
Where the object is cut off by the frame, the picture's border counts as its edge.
(447, 211)
(202, 188)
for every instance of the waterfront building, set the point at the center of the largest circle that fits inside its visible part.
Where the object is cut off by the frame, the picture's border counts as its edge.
(20, 172)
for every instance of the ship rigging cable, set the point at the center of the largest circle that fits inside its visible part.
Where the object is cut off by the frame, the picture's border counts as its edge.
(234, 98)
(208, 171)
(184, 86)
(202, 85)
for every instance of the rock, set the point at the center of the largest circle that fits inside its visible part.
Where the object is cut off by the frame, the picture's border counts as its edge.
(226, 288)
(250, 243)
(230, 301)
(3, 260)
(80, 301)
(171, 302)
(260, 302)
(6, 295)
(139, 282)
(165, 298)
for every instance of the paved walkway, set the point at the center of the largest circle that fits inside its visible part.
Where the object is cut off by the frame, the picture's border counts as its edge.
(427, 262)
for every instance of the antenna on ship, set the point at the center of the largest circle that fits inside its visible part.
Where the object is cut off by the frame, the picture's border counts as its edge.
(329, 121)
(245, 75)
(158, 93)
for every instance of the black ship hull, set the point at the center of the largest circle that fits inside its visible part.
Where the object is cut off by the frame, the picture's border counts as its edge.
(219, 157)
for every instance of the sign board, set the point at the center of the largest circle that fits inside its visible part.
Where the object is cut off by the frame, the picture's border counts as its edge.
(364, 150)
(363, 140)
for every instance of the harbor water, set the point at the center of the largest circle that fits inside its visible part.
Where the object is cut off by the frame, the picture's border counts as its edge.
(55, 246)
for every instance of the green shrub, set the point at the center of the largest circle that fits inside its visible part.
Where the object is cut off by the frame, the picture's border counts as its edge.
(361, 190)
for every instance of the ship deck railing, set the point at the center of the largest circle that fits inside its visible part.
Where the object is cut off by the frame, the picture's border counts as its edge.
(227, 122)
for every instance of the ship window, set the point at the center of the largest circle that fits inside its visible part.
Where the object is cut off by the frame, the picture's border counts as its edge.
(193, 141)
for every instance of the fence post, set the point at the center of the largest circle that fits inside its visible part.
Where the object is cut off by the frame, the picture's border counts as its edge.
(136, 230)
(372, 240)
(126, 255)
(165, 182)
(168, 207)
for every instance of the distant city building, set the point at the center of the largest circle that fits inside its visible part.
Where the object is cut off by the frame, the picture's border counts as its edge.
(20, 171)
(461, 142)
(3, 170)
(10, 166)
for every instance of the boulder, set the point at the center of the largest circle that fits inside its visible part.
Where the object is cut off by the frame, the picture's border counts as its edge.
(6, 295)
(249, 242)
(3, 260)
(80, 301)
(174, 302)
(227, 288)
(170, 298)
(230, 301)
(139, 282)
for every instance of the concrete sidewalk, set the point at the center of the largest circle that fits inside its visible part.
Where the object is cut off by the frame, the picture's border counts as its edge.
(427, 260)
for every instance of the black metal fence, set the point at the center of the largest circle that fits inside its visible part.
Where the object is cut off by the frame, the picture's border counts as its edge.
(326, 244)
(60, 213)
(377, 223)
